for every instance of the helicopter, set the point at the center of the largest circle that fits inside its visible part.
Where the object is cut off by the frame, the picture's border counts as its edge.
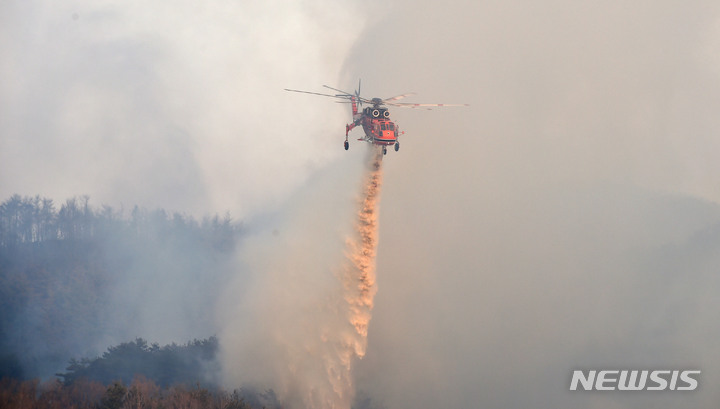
(375, 118)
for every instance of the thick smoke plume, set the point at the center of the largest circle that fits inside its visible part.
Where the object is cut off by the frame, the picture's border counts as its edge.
(304, 319)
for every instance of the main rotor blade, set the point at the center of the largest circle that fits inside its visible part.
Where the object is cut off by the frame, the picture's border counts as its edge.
(317, 93)
(395, 98)
(339, 90)
(409, 105)
(346, 94)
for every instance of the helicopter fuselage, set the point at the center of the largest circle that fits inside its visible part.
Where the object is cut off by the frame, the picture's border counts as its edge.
(378, 127)
(376, 123)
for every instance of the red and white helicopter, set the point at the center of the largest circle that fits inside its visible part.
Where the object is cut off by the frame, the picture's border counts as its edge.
(375, 119)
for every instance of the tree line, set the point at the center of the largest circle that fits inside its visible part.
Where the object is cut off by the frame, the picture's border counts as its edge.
(141, 393)
(36, 219)
(194, 362)
(135, 375)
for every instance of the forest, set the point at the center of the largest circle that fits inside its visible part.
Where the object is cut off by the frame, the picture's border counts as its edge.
(75, 279)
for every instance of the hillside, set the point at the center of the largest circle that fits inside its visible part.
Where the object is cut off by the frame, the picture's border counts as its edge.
(76, 279)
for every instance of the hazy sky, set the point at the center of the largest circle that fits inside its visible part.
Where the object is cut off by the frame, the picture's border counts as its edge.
(167, 103)
(567, 220)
